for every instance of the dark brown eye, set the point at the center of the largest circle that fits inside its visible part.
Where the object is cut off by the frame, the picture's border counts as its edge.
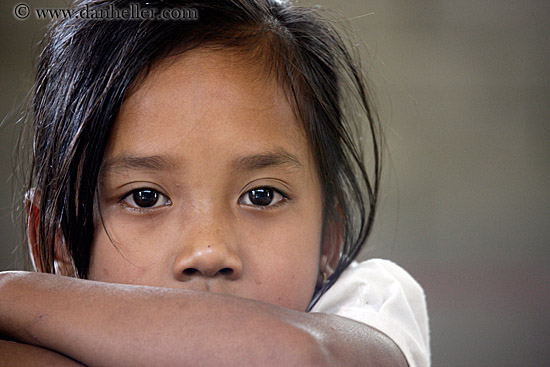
(261, 196)
(145, 198)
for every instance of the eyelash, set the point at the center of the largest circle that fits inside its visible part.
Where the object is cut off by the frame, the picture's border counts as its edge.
(146, 210)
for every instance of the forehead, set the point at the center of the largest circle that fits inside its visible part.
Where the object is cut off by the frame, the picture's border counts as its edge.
(218, 96)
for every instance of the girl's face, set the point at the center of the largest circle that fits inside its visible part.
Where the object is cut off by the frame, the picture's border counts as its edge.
(208, 183)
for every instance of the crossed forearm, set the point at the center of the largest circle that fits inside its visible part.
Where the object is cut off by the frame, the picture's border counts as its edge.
(119, 325)
(111, 324)
(21, 355)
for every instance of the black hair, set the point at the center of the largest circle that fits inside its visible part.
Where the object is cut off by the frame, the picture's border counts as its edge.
(88, 66)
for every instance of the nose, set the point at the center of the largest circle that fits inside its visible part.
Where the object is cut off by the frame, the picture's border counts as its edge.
(208, 255)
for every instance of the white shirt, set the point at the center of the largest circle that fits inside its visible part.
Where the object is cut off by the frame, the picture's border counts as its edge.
(382, 295)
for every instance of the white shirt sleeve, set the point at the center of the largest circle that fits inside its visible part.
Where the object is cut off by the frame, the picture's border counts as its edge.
(382, 295)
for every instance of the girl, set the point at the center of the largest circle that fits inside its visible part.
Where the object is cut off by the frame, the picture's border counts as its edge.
(200, 185)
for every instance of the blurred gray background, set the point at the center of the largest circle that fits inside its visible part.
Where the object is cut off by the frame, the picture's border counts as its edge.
(463, 90)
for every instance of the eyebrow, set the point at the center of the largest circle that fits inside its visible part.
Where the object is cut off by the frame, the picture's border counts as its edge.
(280, 158)
(139, 163)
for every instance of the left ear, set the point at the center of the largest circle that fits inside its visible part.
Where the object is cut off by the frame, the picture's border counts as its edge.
(331, 250)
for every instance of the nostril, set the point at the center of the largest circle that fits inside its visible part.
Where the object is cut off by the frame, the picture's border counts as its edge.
(226, 271)
(193, 272)
(190, 271)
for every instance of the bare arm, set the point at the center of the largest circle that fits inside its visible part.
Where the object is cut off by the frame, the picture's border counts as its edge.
(22, 355)
(111, 324)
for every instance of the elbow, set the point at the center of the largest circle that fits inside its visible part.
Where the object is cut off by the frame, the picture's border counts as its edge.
(321, 352)
(325, 343)
(322, 348)
(304, 349)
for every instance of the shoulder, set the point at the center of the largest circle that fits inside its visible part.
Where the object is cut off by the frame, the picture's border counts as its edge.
(383, 295)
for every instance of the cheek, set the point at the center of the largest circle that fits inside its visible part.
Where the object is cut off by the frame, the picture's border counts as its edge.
(286, 263)
(291, 288)
(119, 257)
(105, 264)
(103, 252)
